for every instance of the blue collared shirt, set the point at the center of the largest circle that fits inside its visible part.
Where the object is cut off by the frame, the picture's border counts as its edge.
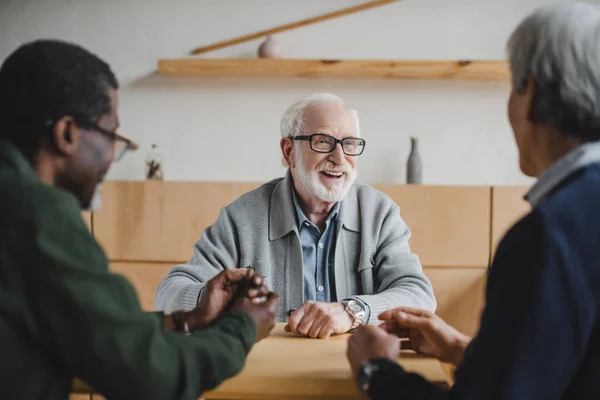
(581, 156)
(318, 257)
(317, 254)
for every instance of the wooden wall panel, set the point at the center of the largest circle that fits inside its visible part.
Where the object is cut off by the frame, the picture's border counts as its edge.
(159, 221)
(145, 278)
(508, 206)
(450, 224)
(460, 294)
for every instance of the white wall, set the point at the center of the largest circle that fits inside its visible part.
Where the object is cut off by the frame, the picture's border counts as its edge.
(228, 129)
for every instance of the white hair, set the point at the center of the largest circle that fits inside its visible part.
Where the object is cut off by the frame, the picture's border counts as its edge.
(292, 121)
(558, 47)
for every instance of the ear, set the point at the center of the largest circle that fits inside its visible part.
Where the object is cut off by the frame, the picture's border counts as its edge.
(287, 151)
(66, 135)
(529, 96)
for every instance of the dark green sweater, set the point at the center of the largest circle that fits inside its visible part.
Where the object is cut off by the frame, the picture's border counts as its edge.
(63, 315)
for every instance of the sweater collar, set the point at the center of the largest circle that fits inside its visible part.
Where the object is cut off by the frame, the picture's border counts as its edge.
(581, 156)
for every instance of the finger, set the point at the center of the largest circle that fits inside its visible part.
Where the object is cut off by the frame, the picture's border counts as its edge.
(308, 319)
(389, 314)
(306, 323)
(272, 301)
(413, 322)
(315, 329)
(416, 312)
(296, 317)
(394, 327)
(235, 275)
(326, 331)
(388, 324)
(259, 291)
(286, 328)
(257, 280)
(386, 315)
(325, 326)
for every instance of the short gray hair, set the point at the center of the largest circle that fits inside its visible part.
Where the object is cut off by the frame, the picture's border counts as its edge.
(292, 121)
(558, 46)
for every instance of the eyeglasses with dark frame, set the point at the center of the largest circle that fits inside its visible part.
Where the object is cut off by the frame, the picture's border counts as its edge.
(322, 143)
(121, 144)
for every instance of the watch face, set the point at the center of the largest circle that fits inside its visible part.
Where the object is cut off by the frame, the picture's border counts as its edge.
(354, 306)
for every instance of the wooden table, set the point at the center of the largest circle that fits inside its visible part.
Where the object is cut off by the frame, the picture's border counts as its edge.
(292, 367)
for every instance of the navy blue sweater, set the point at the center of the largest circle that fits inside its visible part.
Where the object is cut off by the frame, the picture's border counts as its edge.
(539, 337)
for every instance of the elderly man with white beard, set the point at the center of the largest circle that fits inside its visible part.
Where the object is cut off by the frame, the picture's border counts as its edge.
(335, 251)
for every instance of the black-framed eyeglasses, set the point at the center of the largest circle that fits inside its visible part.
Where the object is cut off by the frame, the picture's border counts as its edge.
(122, 144)
(322, 143)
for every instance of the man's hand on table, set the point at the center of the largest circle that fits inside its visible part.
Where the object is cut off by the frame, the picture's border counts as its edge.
(221, 291)
(428, 334)
(369, 342)
(319, 320)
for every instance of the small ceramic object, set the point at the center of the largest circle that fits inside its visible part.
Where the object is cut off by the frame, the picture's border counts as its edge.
(414, 166)
(270, 48)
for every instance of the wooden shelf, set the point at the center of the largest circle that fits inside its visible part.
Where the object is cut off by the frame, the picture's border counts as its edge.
(303, 68)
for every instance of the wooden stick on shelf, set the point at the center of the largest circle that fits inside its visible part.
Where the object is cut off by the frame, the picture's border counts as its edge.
(282, 28)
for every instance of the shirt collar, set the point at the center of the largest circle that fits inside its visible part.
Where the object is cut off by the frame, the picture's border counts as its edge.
(300, 214)
(586, 154)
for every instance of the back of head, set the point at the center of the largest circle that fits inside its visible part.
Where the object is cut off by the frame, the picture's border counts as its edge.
(558, 47)
(45, 80)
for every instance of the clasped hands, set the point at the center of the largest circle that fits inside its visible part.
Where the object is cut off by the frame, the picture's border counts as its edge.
(422, 331)
(237, 289)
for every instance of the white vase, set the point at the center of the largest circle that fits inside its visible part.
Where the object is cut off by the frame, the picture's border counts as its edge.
(270, 48)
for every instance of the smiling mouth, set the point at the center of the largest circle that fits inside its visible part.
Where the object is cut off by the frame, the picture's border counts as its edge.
(332, 174)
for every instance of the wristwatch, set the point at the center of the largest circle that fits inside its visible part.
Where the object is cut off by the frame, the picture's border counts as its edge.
(367, 370)
(356, 311)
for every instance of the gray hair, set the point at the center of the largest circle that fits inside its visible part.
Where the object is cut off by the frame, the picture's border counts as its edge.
(292, 121)
(558, 47)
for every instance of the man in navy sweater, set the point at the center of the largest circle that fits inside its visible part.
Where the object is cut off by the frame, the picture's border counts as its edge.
(540, 331)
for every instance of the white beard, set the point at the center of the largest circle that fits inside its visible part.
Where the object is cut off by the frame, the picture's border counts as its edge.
(96, 201)
(310, 180)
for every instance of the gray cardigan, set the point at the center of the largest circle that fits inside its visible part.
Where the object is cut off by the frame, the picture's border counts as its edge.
(372, 260)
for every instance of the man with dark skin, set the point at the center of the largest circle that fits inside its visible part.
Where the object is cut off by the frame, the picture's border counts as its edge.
(62, 314)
